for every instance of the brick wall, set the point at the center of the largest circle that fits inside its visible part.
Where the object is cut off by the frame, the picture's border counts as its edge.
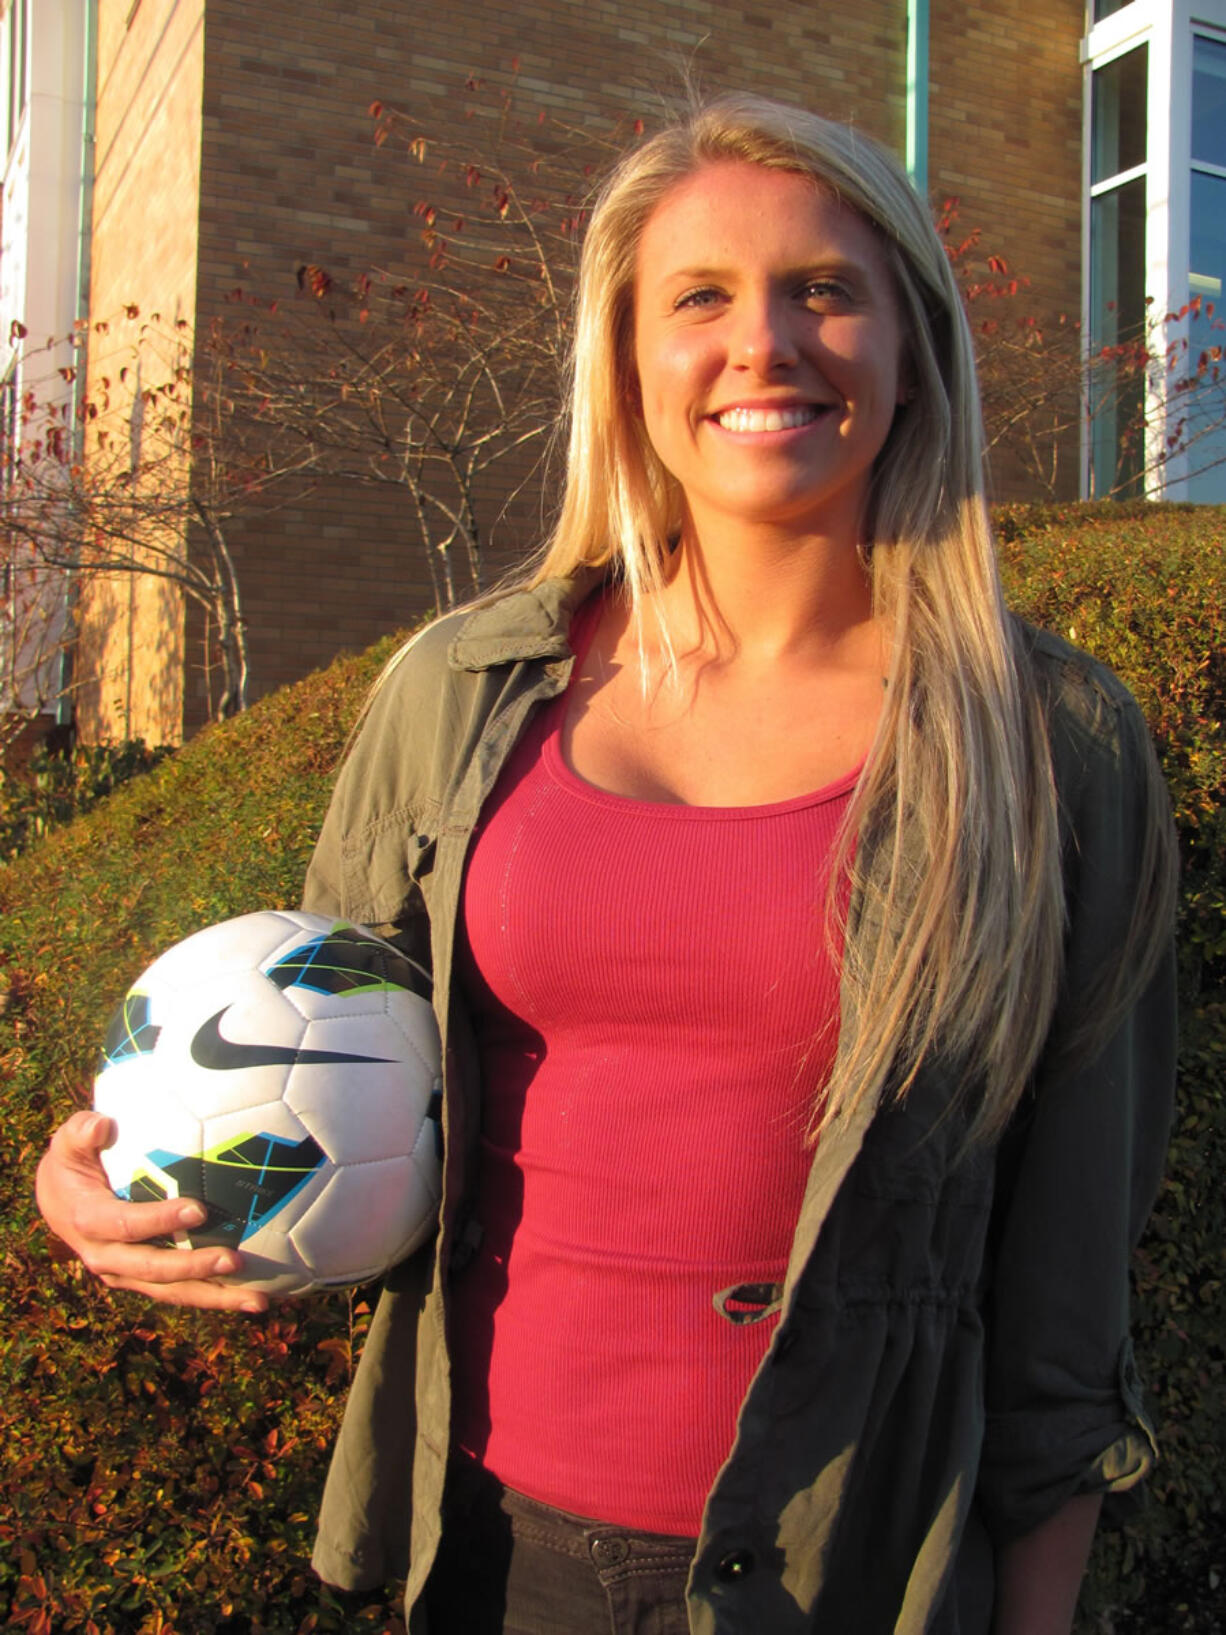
(1005, 139)
(289, 175)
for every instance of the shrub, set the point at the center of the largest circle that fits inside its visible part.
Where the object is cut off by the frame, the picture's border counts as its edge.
(54, 787)
(169, 1478)
(1144, 588)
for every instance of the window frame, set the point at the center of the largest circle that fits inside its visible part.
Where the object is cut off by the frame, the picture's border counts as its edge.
(1168, 27)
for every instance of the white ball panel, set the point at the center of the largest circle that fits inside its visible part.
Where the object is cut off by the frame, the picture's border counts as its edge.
(362, 1110)
(357, 1226)
(259, 1118)
(234, 945)
(135, 1095)
(429, 1186)
(273, 1265)
(414, 1018)
(381, 1118)
(252, 1013)
(313, 1006)
(255, 1012)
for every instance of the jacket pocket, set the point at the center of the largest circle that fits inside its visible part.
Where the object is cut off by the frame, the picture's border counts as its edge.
(383, 868)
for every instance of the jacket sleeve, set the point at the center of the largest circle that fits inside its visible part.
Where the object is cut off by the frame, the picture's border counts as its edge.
(377, 838)
(1080, 1169)
(367, 867)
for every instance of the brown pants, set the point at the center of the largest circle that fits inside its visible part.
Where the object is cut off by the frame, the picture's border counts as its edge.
(508, 1565)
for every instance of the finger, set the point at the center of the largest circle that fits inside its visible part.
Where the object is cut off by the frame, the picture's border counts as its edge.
(207, 1296)
(102, 1216)
(144, 1263)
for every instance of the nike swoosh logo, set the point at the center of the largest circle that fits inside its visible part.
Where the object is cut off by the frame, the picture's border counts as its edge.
(210, 1049)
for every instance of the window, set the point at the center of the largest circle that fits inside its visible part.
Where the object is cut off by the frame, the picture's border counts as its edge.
(1155, 248)
(17, 26)
(1118, 130)
(10, 430)
(1207, 272)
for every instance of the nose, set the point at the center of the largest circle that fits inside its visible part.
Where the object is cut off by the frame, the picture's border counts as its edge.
(763, 337)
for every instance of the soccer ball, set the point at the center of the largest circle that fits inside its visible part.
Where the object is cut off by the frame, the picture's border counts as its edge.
(283, 1069)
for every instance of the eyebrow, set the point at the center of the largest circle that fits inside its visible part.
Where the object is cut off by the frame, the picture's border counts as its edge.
(804, 269)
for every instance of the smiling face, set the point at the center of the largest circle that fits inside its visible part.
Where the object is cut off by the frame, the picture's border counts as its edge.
(767, 347)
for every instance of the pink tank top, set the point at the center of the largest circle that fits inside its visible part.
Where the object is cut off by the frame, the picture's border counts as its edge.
(656, 1005)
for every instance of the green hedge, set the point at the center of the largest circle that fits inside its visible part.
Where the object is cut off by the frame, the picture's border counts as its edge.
(1144, 589)
(56, 786)
(162, 1469)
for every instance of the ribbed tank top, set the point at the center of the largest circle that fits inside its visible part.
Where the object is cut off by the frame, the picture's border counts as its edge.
(656, 1004)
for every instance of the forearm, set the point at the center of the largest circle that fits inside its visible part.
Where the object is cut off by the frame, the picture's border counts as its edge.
(1039, 1575)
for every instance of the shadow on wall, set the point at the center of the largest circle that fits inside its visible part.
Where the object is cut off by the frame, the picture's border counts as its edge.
(129, 660)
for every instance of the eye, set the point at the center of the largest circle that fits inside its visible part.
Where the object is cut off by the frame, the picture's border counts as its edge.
(704, 295)
(826, 291)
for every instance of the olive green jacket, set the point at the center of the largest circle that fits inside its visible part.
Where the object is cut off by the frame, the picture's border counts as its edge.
(952, 1360)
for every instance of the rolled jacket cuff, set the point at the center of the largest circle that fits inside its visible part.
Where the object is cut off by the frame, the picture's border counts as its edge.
(1037, 1459)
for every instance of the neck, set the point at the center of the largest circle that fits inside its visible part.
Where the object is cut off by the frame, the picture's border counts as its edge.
(765, 595)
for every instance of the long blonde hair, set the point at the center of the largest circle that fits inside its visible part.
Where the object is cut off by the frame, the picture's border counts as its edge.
(955, 941)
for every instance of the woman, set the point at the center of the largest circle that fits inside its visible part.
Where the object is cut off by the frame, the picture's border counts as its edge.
(800, 926)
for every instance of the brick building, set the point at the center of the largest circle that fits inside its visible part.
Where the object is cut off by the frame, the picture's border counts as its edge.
(234, 144)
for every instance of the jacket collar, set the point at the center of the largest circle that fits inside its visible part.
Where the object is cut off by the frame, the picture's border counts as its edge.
(532, 623)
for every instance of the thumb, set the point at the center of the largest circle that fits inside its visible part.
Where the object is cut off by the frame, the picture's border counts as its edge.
(91, 1131)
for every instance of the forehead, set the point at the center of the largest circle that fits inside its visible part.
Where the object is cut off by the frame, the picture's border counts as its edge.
(730, 210)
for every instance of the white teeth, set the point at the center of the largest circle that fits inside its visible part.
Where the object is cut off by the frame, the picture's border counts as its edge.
(767, 419)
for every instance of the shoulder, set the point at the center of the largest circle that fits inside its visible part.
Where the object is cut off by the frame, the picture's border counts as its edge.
(522, 623)
(434, 700)
(1096, 730)
(421, 663)
(1070, 681)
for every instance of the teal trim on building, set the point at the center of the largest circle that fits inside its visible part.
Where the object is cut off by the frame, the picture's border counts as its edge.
(917, 93)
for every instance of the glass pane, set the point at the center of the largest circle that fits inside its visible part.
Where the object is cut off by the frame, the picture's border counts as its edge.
(1205, 405)
(1117, 322)
(1118, 114)
(1107, 8)
(1208, 100)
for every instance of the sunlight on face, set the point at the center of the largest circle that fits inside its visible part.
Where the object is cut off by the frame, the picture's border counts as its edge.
(768, 346)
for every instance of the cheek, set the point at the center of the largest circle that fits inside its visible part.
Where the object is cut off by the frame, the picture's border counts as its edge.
(670, 377)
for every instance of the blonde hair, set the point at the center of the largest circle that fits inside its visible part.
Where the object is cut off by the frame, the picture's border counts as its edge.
(956, 937)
